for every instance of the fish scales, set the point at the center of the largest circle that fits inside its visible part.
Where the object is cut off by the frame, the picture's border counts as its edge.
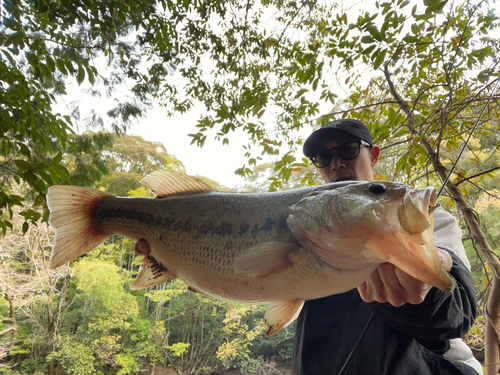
(282, 248)
(203, 247)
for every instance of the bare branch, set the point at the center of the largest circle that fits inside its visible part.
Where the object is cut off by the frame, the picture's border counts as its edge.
(476, 175)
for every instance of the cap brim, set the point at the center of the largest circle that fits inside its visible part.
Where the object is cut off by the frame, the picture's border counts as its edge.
(311, 144)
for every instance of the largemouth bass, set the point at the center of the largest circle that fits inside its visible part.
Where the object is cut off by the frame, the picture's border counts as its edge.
(281, 248)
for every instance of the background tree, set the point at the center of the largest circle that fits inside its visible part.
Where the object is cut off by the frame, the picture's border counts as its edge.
(34, 295)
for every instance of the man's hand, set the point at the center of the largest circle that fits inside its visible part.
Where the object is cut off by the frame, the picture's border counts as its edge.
(389, 284)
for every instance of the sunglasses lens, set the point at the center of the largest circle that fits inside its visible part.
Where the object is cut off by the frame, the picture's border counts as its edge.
(323, 158)
(348, 150)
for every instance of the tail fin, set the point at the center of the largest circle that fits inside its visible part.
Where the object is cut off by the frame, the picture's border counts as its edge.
(70, 215)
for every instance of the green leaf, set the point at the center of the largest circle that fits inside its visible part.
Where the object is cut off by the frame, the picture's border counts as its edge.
(90, 75)
(23, 165)
(32, 58)
(391, 115)
(9, 57)
(315, 84)
(69, 66)
(57, 159)
(300, 93)
(367, 39)
(411, 39)
(24, 149)
(379, 59)
(428, 3)
(368, 50)
(29, 176)
(50, 63)
(61, 66)
(401, 133)
(434, 6)
(16, 38)
(80, 75)
(61, 172)
(372, 29)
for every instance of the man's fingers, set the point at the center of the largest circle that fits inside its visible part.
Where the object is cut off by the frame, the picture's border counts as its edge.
(415, 290)
(390, 284)
(396, 293)
(372, 290)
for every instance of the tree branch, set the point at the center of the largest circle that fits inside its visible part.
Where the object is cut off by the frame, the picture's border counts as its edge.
(11, 328)
(477, 174)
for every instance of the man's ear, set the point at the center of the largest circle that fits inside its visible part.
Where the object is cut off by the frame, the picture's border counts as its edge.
(374, 153)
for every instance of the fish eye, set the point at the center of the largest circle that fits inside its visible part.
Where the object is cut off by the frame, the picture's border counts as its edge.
(377, 189)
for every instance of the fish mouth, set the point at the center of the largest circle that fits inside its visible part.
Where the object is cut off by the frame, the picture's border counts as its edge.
(427, 197)
(415, 210)
(412, 248)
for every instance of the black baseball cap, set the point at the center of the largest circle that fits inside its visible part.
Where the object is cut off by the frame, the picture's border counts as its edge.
(351, 126)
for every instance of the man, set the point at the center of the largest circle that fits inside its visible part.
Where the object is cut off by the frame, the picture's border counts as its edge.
(392, 323)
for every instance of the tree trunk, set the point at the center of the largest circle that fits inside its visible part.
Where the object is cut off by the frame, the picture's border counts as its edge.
(492, 346)
(51, 368)
(13, 327)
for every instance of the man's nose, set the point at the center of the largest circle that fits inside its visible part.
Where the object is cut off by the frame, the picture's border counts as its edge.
(337, 163)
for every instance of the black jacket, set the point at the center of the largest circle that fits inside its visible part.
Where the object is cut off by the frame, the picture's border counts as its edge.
(410, 339)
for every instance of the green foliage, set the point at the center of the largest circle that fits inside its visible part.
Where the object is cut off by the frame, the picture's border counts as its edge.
(31, 366)
(178, 349)
(238, 337)
(84, 159)
(105, 314)
(75, 357)
(104, 283)
(130, 158)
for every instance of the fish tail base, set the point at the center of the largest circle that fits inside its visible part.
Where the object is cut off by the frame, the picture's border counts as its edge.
(70, 215)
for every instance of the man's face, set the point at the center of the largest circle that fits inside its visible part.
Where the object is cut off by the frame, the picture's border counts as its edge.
(360, 168)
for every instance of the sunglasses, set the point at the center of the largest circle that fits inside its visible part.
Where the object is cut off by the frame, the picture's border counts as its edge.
(347, 151)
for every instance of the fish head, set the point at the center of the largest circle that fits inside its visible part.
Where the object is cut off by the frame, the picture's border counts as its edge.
(353, 211)
(363, 223)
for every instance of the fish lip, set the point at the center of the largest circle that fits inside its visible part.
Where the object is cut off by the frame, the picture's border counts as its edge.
(427, 196)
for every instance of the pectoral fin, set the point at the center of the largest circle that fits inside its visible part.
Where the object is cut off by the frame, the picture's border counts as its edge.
(265, 259)
(150, 274)
(280, 314)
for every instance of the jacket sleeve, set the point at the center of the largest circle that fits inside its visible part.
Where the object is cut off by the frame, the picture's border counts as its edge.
(442, 315)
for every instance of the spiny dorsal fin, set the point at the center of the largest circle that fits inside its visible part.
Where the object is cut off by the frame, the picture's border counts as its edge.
(151, 273)
(165, 183)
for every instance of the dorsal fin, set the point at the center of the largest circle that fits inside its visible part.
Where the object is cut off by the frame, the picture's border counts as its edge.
(165, 183)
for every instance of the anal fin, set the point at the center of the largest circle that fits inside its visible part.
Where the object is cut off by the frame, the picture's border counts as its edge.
(150, 274)
(280, 314)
